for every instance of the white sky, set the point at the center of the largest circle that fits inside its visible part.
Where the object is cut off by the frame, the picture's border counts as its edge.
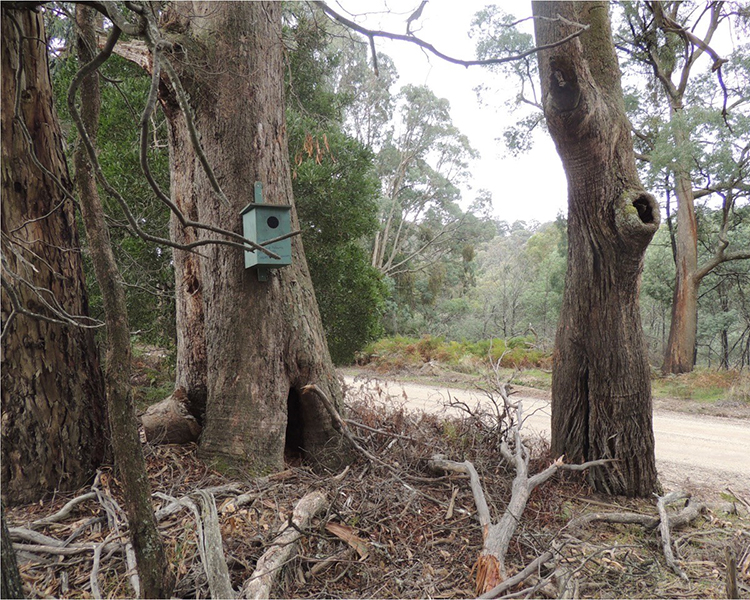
(529, 187)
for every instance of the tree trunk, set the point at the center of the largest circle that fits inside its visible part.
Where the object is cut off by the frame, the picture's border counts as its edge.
(11, 585)
(153, 569)
(601, 390)
(680, 353)
(53, 409)
(191, 367)
(263, 341)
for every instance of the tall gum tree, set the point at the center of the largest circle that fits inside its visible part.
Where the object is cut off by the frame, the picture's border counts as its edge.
(264, 341)
(53, 408)
(601, 390)
(669, 38)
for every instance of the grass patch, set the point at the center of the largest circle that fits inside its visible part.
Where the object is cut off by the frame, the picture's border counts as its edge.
(703, 385)
(525, 365)
(402, 352)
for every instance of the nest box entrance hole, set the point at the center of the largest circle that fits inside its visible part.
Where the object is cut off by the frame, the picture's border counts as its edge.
(294, 444)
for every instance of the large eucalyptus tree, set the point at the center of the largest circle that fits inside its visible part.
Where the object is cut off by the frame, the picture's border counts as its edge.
(262, 341)
(601, 389)
(54, 432)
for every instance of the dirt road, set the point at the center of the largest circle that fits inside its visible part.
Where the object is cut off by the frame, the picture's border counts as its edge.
(694, 453)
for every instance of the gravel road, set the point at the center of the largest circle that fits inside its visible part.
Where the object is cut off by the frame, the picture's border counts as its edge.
(700, 454)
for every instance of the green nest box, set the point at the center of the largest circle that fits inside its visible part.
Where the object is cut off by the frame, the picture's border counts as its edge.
(262, 222)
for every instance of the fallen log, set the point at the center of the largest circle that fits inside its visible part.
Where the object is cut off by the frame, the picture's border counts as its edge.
(490, 567)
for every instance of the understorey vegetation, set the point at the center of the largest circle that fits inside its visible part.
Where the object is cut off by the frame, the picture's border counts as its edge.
(396, 524)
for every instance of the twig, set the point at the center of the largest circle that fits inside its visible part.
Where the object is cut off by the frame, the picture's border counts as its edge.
(731, 582)
(380, 431)
(339, 422)
(341, 426)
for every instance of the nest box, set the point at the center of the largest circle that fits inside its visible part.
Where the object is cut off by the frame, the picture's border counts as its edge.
(262, 222)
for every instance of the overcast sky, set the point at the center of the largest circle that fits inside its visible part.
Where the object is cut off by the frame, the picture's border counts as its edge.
(529, 187)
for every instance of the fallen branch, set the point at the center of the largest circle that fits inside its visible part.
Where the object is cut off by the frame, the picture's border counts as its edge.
(61, 550)
(666, 541)
(212, 549)
(63, 512)
(490, 567)
(269, 565)
(687, 515)
(96, 591)
(210, 544)
(529, 570)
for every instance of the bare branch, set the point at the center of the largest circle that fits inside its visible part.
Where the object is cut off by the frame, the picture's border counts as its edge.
(412, 39)
(721, 255)
(244, 245)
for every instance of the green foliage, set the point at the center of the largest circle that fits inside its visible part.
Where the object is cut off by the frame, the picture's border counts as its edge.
(146, 269)
(335, 190)
(498, 33)
(724, 301)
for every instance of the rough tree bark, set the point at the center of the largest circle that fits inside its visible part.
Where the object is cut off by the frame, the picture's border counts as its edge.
(11, 585)
(153, 569)
(601, 390)
(263, 341)
(191, 367)
(53, 409)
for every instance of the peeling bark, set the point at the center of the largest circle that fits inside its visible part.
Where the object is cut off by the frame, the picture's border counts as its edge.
(680, 352)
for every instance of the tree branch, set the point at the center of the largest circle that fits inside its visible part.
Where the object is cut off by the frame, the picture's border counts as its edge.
(412, 39)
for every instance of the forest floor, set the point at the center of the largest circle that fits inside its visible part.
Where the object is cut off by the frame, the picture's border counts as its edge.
(391, 528)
